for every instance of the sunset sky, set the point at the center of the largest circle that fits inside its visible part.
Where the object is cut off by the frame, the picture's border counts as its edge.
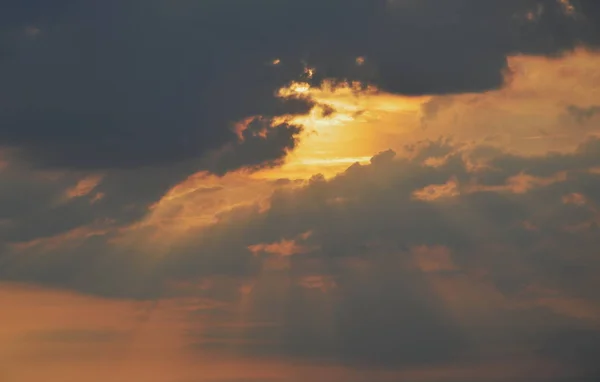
(300, 190)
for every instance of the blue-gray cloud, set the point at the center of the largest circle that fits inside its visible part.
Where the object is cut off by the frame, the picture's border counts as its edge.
(134, 83)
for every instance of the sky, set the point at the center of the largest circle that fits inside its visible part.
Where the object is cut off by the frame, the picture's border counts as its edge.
(292, 190)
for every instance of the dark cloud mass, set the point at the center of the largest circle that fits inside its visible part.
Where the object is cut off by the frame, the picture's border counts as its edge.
(366, 227)
(583, 114)
(366, 224)
(131, 83)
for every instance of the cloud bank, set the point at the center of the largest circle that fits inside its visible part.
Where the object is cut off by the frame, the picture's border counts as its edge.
(123, 84)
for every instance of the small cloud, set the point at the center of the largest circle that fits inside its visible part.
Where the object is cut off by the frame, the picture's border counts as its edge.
(567, 7)
(583, 114)
(321, 282)
(84, 187)
(434, 192)
(575, 198)
(432, 259)
(32, 31)
(283, 247)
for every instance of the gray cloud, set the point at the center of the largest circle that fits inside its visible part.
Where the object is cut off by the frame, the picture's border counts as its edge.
(370, 204)
(379, 310)
(578, 345)
(147, 106)
(583, 114)
(88, 90)
(262, 145)
(388, 316)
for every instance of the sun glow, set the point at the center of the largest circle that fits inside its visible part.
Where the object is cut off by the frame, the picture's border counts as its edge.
(347, 126)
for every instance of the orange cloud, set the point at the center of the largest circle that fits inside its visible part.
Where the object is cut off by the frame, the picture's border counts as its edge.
(84, 187)
(433, 259)
(282, 248)
(320, 282)
(438, 191)
(195, 204)
(575, 198)
(71, 238)
(561, 303)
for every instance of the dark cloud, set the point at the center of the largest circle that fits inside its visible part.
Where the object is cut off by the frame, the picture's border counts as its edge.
(379, 309)
(384, 312)
(583, 114)
(37, 204)
(504, 166)
(367, 204)
(382, 316)
(262, 145)
(92, 92)
(84, 88)
(579, 345)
